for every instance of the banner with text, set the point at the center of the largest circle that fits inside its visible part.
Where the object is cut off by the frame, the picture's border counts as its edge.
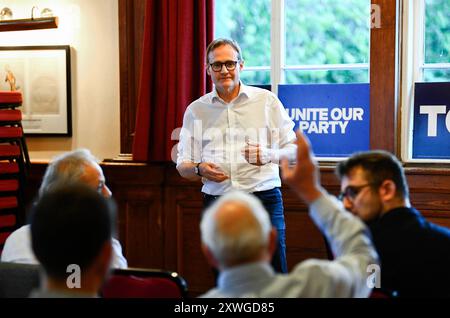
(335, 117)
(431, 129)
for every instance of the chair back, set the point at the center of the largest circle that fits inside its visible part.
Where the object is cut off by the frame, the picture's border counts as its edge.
(382, 293)
(144, 283)
(18, 280)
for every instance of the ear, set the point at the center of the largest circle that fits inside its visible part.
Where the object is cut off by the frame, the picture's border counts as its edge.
(273, 235)
(241, 65)
(208, 71)
(387, 190)
(210, 256)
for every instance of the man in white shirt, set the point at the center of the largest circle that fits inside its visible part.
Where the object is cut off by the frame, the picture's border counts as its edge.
(242, 250)
(232, 138)
(71, 167)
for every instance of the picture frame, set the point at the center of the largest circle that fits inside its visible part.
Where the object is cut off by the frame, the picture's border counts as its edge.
(42, 74)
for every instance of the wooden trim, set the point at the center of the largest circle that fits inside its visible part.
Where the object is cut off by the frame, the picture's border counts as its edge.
(384, 61)
(131, 29)
(29, 24)
(127, 69)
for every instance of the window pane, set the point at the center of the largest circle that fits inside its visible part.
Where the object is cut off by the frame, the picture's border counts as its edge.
(247, 22)
(323, 77)
(255, 77)
(437, 31)
(327, 31)
(437, 75)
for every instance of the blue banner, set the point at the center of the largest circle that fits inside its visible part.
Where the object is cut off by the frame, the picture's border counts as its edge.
(431, 130)
(335, 117)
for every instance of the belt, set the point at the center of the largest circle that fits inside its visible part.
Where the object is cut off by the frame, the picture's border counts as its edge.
(211, 196)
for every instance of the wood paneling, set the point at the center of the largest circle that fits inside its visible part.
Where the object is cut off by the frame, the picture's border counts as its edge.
(138, 192)
(159, 215)
(384, 57)
(131, 29)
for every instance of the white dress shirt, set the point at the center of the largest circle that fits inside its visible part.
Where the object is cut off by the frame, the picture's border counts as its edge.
(18, 249)
(346, 276)
(214, 131)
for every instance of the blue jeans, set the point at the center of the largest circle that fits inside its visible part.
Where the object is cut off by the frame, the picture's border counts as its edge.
(273, 202)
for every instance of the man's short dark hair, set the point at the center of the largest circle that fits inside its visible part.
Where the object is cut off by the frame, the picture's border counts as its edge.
(378, 166)
(220, 42)
(69, 225)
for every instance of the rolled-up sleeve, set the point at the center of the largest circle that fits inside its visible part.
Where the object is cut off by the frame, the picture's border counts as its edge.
(189, 147)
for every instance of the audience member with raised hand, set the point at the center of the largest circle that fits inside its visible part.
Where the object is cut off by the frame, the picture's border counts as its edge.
(241, 250)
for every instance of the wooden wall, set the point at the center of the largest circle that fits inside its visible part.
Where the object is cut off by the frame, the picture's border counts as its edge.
(159, 215)
(131, 29)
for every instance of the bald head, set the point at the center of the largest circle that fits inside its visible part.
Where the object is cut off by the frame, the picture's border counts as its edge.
(234, 218)
(236, 229)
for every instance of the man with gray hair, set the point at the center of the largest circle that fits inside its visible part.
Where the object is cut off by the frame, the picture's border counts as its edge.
(241, 250)
(78, 166)
(232, 139)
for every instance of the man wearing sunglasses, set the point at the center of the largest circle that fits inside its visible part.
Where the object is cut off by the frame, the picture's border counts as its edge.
(414, 253)
(232, 139)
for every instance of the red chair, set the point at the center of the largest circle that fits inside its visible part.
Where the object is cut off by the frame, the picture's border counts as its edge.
(382, 293)
(11, 131)
(10, 99)
(13, 157)
(144, 283)
(12, 179)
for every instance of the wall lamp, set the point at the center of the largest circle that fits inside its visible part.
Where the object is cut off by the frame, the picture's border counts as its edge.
(46, 20)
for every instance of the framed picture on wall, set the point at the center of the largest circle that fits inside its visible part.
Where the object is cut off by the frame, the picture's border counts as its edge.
(42, 74)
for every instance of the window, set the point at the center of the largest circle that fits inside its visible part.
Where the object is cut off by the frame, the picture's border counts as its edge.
(431, 45)
(426, 58)
(435, 66)
(247, 22)
(298, 41)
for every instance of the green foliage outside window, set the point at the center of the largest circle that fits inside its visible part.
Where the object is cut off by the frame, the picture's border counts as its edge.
(317, 32)
(327, 32)
(322, 32)
(437, 38)
(248, 23)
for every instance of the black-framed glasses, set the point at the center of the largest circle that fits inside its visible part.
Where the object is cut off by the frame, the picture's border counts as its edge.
(350, 192)
(217, 66)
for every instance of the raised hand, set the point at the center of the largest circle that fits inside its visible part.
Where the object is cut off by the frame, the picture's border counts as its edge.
(304, 177)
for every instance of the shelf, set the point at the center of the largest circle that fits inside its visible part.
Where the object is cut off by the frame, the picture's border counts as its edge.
(29, 24)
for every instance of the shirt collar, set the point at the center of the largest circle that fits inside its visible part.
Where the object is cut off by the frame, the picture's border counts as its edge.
(244, 91)
(247, 274)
